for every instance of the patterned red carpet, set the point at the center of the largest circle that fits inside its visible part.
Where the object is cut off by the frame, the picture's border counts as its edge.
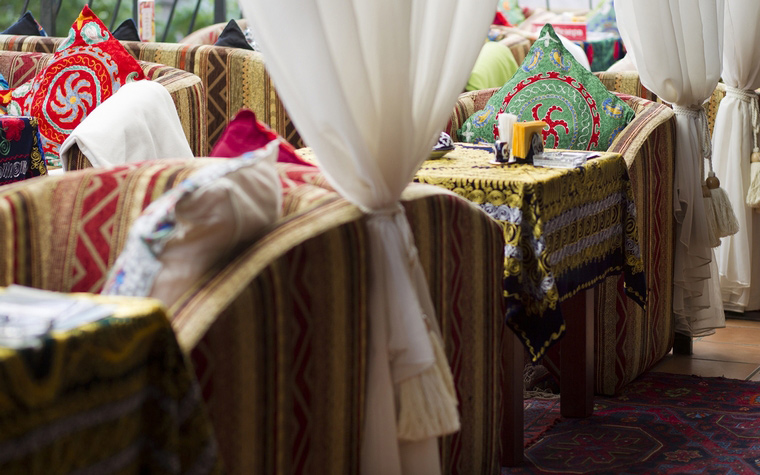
(659, 424)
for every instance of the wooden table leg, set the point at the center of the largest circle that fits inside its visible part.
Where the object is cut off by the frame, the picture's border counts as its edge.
(512, 429)
(577, 356)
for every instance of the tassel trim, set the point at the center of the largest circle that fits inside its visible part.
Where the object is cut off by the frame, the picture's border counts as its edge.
(428, 402)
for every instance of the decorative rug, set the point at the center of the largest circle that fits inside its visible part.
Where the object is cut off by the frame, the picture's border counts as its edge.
(661, 423)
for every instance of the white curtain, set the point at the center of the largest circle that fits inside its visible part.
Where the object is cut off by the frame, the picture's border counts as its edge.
(370, 84)
(732, 147)
(677, 48)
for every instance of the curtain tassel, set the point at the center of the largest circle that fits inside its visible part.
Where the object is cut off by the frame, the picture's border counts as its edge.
(724, 218)
(428, 401)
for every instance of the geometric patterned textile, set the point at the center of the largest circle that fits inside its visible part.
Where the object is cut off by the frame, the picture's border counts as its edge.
(661, 423)
(565, 231)
(232, 78)
(86, 70)
(552, 86)
(112, 396)
(308, 277)
(630, 340)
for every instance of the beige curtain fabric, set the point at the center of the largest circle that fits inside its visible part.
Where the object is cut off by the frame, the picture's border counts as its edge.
(677, 48)
(369, 85)
(738, 262)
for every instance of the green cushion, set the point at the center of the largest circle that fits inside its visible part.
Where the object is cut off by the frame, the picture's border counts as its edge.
(552, 86)
(494, 66)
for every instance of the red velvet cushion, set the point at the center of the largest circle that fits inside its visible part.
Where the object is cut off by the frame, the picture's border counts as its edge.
(85, 71)
(245, 133)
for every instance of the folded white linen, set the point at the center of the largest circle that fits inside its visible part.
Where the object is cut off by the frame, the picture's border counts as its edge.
(139, 122)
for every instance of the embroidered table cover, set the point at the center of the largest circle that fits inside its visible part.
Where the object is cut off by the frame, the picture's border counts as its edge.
(113, 396)
(565, 231)
(20, 155)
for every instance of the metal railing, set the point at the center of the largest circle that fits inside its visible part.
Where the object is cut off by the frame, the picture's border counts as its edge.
(49, 10)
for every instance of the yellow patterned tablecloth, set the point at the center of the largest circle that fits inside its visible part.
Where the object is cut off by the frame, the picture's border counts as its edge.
(565, 229)
(114, 396)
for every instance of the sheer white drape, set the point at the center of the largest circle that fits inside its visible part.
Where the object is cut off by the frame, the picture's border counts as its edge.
(732, 147)
(677, 48)
(370, 84)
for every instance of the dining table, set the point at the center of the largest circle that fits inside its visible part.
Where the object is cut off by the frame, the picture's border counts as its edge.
(97, 384)
(566, 228)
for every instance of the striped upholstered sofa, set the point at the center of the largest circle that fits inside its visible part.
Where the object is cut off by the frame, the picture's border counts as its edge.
(185, 88)
(232, 78)
(629, 340)
(278, 333)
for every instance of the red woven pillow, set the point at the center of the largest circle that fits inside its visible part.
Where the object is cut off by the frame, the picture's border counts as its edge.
(245, 133)
(85, 71)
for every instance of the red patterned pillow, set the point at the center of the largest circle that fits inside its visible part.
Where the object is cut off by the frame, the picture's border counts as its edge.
(85, 71)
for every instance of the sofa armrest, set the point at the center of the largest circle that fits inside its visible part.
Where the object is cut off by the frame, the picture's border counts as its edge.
(467, 104)
(189, 96)
(278, 335)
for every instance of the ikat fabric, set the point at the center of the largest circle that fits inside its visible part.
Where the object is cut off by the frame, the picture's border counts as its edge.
(20, 153)
(86, 70)
(552, 86)
(565, 230)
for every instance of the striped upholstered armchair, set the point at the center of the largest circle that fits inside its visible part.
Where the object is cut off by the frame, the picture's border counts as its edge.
(629, 340)
(185, 89)
(277, 334)
(232, 78)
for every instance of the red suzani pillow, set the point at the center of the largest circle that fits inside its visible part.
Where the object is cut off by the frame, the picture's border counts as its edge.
(85, 71)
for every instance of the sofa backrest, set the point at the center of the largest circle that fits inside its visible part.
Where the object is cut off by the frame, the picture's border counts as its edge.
(186, 90)
(233, 79)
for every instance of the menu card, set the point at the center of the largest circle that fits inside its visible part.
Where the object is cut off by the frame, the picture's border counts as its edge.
(28, 315)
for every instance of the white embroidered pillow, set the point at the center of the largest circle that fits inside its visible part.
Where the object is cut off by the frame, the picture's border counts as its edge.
(181, 235)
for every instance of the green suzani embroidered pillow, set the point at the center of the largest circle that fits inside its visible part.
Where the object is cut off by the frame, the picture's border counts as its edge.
(552, 86)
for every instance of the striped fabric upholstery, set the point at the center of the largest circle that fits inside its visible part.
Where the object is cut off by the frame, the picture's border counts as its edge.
(185, 89)
(625, 82)
(278, 335)
(208, 35)
(63, 233)
(467, 104)
(630, 340)
(518, 44)
(233, 79)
